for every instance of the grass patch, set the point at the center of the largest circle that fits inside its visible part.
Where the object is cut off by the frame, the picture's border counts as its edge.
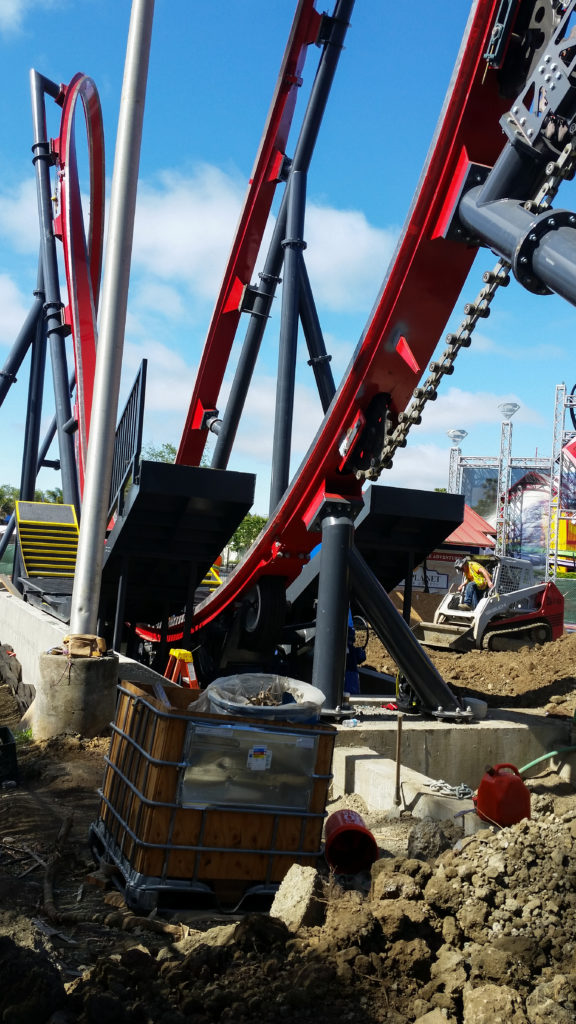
(25, 736)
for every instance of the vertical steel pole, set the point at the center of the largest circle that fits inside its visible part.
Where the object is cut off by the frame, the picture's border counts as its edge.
(331, 639)
(87, 581)
(53, 305)
(270, 277)
(293, 245)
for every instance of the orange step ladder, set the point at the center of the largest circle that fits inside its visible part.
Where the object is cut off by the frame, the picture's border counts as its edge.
(180, 668)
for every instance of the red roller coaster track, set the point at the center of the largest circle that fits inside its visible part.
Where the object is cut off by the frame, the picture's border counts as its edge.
(82, 256)
(417, 297)
(409, 316)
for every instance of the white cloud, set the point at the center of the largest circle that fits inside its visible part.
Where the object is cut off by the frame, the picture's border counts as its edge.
(458, 408)
(185, 225)
(255, 435)
(14, 310)
(169, 380)
(347, 258)
(420, 466)
(159, 298)
(19, 217)
(13, 12)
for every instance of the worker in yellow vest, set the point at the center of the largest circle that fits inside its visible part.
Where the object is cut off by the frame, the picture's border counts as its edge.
(475, 584)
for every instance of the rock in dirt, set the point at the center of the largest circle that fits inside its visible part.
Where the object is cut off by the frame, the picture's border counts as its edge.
(428, 838)
(299, 900)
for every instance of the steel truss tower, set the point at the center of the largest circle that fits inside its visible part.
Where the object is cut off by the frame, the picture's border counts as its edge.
(556, 512)
(489, 462)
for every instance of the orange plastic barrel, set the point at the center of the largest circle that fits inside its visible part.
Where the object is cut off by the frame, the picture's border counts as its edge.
(502, 797)
(349, 847)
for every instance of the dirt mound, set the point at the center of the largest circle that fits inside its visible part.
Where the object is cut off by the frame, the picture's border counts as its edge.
(483, 932)
(543, 676)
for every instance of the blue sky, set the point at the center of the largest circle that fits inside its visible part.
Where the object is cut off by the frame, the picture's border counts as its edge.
(213, 68)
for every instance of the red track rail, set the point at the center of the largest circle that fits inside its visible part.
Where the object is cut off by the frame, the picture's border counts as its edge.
(417, 297)
(265, 177)
(416, 300)
(82, 257)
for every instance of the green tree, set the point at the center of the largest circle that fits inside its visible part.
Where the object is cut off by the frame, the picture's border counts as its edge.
(53, 496)
(160, 453)
(167, 453)
(9, 495)
(8, 499)
(247, 532)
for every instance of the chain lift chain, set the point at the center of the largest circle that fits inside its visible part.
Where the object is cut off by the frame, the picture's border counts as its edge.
(557, 171)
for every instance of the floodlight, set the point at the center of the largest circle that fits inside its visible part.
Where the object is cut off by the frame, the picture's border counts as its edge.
(456, 436)
(508, 409)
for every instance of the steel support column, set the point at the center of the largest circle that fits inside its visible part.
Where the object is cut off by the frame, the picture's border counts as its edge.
(501, 547)
(396, 635)
(293, 246)
(21, 346)
(331, 638)
(270, 277)
(88, 578)
(319, 358)
(53, 304)
(33, 414)
(454, 476)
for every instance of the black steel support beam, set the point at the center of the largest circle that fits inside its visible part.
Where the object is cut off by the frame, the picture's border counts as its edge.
(53, 304)
(434, 695)
(270, 277)
(331, 639)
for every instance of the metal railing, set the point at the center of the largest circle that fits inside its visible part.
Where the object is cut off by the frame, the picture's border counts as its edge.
(128, 443)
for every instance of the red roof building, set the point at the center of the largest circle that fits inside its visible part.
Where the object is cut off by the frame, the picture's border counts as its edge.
(473, 533)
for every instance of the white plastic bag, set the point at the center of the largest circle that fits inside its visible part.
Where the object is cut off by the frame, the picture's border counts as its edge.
(237, 695)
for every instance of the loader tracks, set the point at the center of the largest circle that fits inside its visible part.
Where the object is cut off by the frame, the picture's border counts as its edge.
(512, 638)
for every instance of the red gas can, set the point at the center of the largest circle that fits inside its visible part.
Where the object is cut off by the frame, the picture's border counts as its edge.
(502, 797)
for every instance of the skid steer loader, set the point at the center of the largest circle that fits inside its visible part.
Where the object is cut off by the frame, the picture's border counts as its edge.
(515, 612)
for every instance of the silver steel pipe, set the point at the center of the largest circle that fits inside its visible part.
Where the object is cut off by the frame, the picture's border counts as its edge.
(87, 581)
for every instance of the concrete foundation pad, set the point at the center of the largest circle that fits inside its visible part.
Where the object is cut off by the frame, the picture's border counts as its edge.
(74, 695)
(454, 752)
(345, 762)
(376, 780)
(29, 631)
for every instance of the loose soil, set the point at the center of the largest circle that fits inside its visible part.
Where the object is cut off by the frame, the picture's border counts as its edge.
(443, 929)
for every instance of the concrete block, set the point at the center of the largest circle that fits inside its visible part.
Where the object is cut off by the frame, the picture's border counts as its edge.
(474, 824)
(74, 695)
(344, 768)
(459, 752)
(29, 631)
(376, 781)
(298, 902)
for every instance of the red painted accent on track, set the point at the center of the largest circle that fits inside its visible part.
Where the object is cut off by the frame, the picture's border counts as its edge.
(82, 256)
(416, 300)
(249, 233)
